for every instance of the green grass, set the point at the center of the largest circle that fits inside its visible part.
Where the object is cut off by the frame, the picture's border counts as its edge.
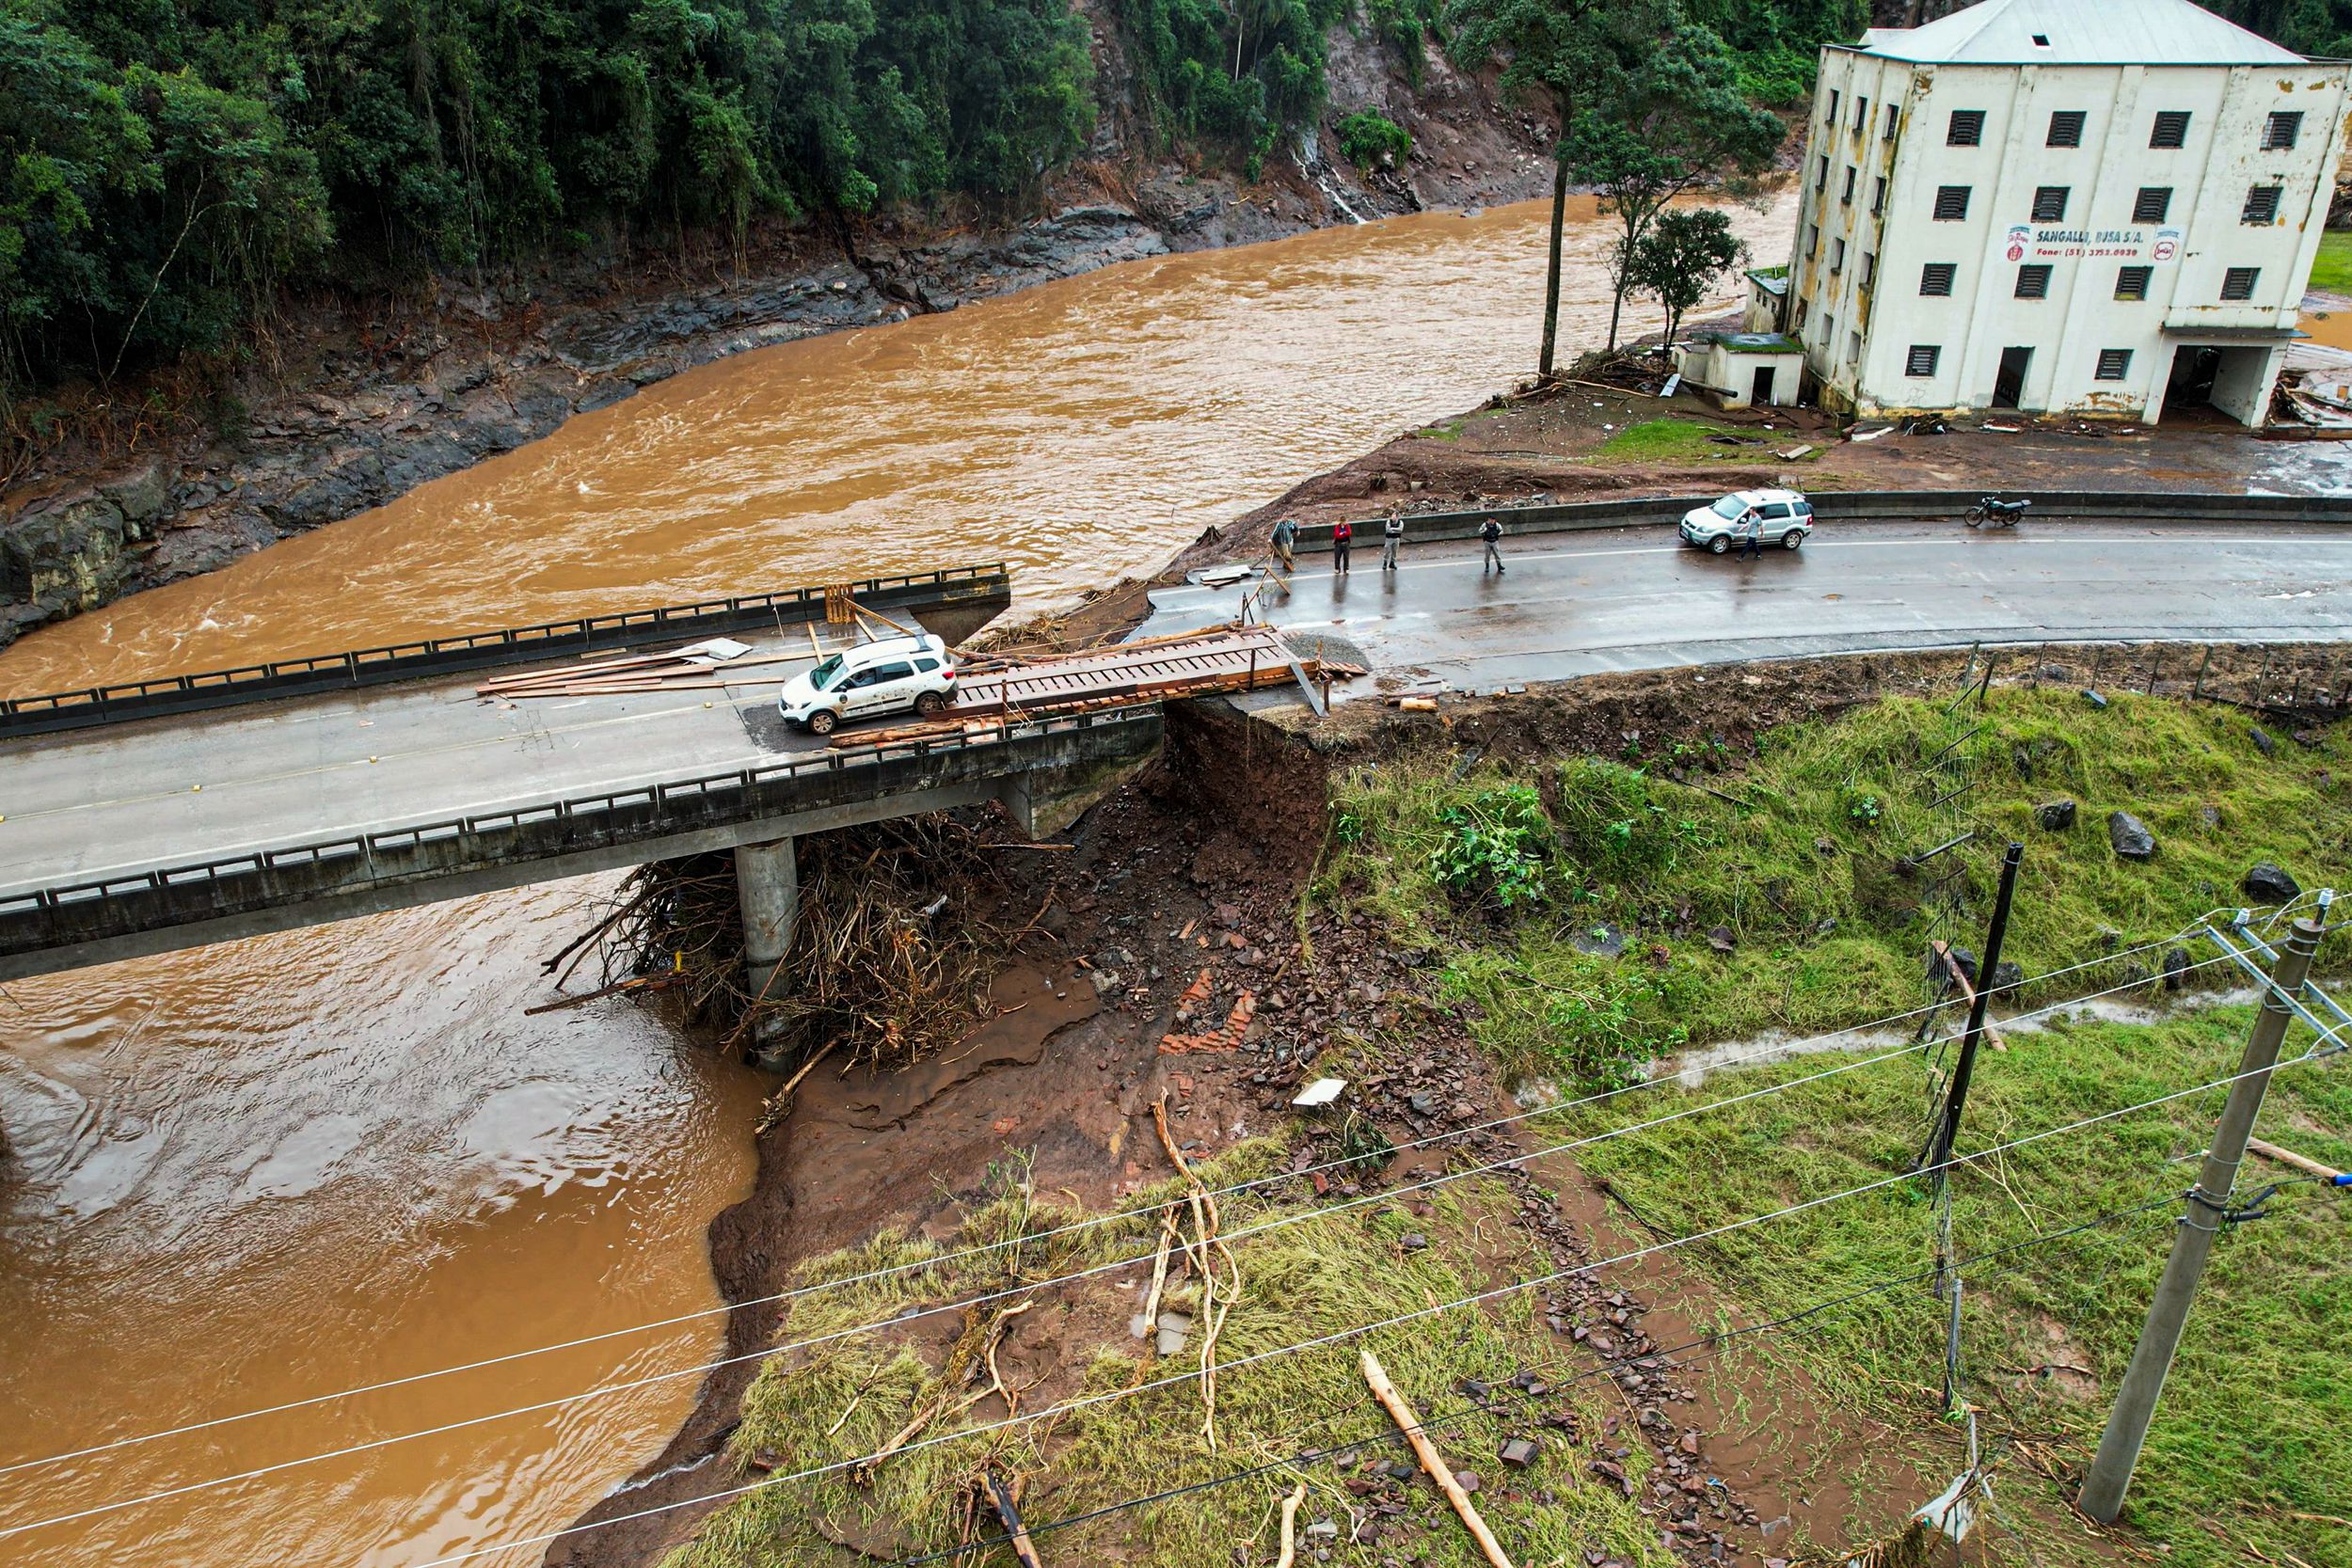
(2331, 271)
(1681, 440)
(1801, 873)
(2257, 1416)
(845, 1400)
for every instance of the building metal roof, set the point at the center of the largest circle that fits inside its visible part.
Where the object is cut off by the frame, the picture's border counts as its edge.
(2078, 32)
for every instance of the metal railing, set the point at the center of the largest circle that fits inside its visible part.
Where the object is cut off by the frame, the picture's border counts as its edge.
(29, 919)
(1523, 517)
(397, 661)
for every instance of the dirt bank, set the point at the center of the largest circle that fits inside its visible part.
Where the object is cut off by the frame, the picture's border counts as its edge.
(352, 399)
(1177, 897)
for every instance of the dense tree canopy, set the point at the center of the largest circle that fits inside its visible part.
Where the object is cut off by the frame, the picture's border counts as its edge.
(163, 164)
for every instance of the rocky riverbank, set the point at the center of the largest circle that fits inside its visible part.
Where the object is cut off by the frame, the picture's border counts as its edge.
(356, 400)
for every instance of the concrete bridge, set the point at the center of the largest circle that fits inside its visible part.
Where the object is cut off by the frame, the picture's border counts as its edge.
(132, 834)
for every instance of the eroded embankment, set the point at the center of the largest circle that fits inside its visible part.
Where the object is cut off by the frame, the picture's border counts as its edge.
(1181, 895)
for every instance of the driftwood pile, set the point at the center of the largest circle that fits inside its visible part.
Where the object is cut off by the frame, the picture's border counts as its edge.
(890, 957)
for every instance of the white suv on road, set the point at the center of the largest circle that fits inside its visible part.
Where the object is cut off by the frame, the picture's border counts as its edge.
(894, 675)
(1786, 516)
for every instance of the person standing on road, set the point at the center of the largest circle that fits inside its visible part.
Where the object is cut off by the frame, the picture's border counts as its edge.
(1491, 532)
(1392, 535)
(1286, 543)
(1752, 535)
(1342, 535)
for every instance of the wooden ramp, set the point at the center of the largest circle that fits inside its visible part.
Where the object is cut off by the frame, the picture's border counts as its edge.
(1229, 659)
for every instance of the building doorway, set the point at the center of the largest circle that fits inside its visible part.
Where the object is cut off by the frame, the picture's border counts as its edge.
(2009, 382)
(1760, 393)
(2213, 383)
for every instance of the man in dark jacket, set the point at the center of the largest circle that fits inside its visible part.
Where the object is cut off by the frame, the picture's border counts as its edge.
(1491, 532)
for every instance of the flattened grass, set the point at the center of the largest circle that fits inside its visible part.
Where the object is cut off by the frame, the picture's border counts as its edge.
(839, 1401)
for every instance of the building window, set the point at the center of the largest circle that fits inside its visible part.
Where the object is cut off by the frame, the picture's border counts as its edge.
(1820, 172)
(1862, 114)
(2280, 132)
(2262, 204)
(2152, 203)
(1921, 359)
(1847, 196)
(1870, 267)
(1812, 239)
(1878, 197)
(1829, 332)
(1838, 256)
(2172, 129)
(2238, 283)
(1832, 107)
(2042, 40)
(2114, 364)
(1936, 278)
(2034, 281)
(1967, 129)
(2049, 203)
(1893, 114)
(2132, 282)
(2066, 128)
(1853, 347)
(1951, 203)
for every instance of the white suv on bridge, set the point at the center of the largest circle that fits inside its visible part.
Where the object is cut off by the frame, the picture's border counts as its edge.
(893, 674)
(1787, 518)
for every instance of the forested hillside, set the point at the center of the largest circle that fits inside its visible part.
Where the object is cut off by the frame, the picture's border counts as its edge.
(167, 165)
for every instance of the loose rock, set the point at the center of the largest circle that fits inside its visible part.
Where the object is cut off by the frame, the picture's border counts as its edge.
(2130, 837)
(2054, 816)
(2270, 884)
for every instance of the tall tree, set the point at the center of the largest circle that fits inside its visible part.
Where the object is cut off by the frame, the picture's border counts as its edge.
(1674, 120)
(1562, 51)
(1681, 256)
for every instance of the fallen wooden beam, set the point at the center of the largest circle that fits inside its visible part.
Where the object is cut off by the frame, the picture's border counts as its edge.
(1431, 1460)
(1968, 992)
(2303, 1162)
(1289, 1523)
(1000, 1497)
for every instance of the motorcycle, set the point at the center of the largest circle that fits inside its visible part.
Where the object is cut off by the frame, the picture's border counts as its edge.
(1992, 512)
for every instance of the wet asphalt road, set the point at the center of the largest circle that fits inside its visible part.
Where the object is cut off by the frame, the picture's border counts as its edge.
(1576, 604)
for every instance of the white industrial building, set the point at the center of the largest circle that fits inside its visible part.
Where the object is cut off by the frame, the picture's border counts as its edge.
(2061, 206)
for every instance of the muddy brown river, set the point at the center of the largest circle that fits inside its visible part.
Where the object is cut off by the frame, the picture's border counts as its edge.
(276, 1169)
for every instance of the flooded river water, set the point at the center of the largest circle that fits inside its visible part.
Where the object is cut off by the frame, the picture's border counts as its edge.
(278, 1168)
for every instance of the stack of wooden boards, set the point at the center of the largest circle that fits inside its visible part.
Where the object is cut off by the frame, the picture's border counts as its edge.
(701, 666)
(1187, 664)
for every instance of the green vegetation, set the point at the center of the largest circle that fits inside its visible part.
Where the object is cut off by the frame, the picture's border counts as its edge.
(1802, 877)
(2331, 270)
(162, 170)
(1683, 256)
(1369, 138)
(1778, 43)
(847, 1398)
(1672, 440)
(1674, 120)
(2248, 1443)
(1233, 77)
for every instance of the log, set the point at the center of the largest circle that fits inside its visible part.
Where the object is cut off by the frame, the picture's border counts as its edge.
(2303, 1162)
(1431, 1461)
(1000, 1497)
(1289, 1523)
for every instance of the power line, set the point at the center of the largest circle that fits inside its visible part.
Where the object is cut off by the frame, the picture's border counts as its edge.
(1335, 1336)
(1710, 1341)
(1795, 1047)
(1018, 1289)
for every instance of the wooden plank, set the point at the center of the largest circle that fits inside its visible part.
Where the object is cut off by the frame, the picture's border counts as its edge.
(2303, 1162)
(1431, 1460)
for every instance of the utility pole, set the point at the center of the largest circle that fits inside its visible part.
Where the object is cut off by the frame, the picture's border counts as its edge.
(2110, 1472)
(1948, 1126)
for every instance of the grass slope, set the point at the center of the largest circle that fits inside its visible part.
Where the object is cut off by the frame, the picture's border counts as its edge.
(2331, 271)
(1506, 876)
(2247, 1449)
(847, 1398)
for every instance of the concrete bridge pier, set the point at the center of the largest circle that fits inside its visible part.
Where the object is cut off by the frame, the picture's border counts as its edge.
(768, 884)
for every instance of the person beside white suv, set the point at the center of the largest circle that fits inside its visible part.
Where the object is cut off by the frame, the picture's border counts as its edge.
(1782, 516)
(891, 674)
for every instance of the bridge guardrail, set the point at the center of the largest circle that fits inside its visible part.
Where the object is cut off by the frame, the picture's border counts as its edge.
(54, 711)
(43, 918)
(1854, 506)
